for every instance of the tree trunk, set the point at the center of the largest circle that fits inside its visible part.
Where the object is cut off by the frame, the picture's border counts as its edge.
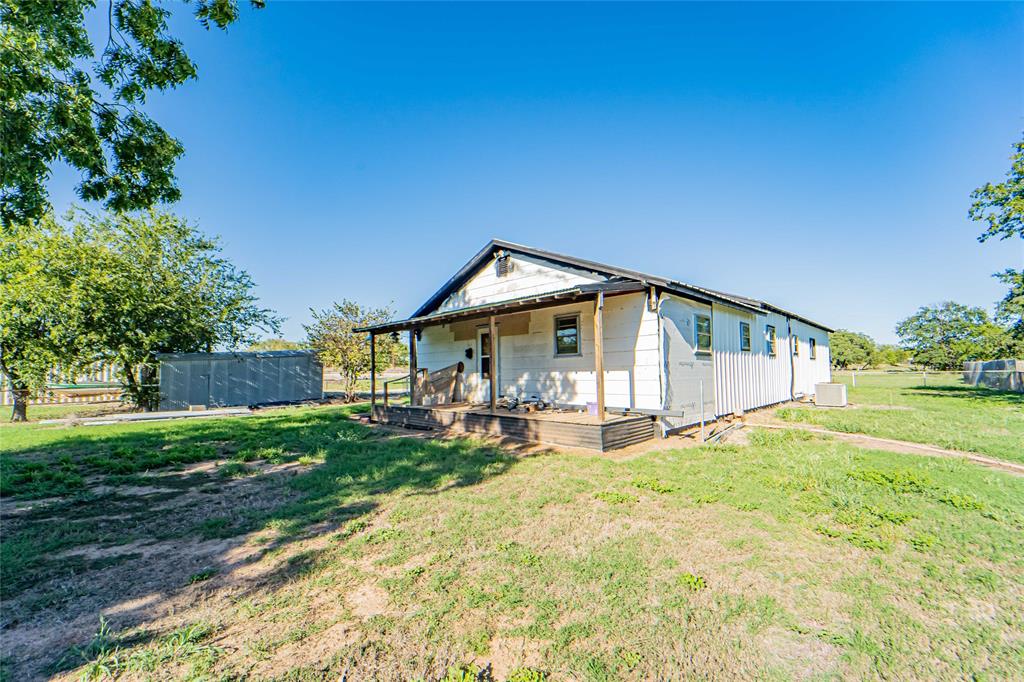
(147, 374)
(20, 411)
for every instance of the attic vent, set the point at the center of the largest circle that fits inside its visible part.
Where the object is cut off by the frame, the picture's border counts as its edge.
(503, 263)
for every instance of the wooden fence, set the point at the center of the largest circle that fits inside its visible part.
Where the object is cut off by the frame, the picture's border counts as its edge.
(96, 383)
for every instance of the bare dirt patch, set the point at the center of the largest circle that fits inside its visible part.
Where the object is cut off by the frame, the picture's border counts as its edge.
(367, 601)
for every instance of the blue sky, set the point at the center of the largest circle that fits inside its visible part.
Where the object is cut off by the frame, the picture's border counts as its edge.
(820, 157)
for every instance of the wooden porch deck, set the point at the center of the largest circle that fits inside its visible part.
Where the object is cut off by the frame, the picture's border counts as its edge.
(552, 427)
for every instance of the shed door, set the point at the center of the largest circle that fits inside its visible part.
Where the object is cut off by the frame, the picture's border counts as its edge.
(199, 383)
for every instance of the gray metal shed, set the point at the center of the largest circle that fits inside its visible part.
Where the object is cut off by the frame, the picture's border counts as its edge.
(225, 379)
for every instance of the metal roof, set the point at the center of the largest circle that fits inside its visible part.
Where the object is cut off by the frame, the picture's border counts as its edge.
(423, 313)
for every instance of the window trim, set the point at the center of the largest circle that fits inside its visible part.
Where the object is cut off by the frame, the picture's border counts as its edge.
(696, 335)
(579, 335)
(796, 346)
(745, 325)
(812, 348)
(771, 341)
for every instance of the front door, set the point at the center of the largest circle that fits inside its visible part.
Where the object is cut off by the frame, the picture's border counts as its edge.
(483, 365)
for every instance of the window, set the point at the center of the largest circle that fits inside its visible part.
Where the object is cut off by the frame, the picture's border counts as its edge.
(813, 353)
(702, 333)
(567, 335)
(485, 354)
(769, 340)
(744, 336)
(796, 345)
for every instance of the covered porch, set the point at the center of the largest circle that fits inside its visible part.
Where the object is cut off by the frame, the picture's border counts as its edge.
(442, 398)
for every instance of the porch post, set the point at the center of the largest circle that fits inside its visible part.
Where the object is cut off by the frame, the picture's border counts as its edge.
(412, 367)
(493, 331)
(373, 375)
(599, 351)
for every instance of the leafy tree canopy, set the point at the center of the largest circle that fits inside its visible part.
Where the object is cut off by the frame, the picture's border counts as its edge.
(889, 354)
(1010, 310)
(850, 349)
(1001, 205)
(946, 335)
(276, 344)
(164, 288)
(45, 305)
(333, 337)
(120, 288)
(54, 111)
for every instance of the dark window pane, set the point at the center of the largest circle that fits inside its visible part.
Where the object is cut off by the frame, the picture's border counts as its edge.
(703, 327)
(567, 338)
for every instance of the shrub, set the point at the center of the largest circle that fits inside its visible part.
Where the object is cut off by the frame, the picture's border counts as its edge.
(899, 481)
(616, 498)
(922, 541)
(962, 501)
(694, 583)
(653, 484)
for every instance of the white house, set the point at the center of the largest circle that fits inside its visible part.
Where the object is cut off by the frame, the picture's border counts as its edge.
(572, 332)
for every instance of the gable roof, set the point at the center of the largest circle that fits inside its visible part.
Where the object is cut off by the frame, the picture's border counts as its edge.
(613, 272)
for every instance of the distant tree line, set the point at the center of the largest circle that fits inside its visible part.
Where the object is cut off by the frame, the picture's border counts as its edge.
(946, 335)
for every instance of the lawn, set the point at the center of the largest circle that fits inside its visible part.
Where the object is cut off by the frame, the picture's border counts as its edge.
(945, 412)
(301, 545)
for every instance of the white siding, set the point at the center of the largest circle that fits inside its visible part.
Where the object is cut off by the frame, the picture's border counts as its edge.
(529, 276)
(809, 372)
(529, 367)
(745, 380)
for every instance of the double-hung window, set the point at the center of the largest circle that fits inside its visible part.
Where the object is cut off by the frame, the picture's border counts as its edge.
(745, 336)
(812, 352)
(769, 340)
(567, 335)
(702, 333)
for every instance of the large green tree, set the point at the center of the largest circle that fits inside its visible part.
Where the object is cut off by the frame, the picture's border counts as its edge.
(68, 96)
(120, 288)
(332, 335)
(1001, 205)
(946, 335)
(45, 304)
(164, 287)
(850, 349)
(1010, 310)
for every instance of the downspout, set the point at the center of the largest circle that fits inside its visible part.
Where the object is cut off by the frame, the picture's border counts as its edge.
(655, 296)
(792, 364)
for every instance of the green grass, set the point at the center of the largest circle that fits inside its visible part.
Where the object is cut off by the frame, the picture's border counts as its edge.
(946, 413)
(790, 557)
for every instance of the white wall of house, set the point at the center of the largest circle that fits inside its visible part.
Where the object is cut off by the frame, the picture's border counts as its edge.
(528, 365)
(807, 371)
(528, 277)
(685, 368)
(650, 358)
(745, 380)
